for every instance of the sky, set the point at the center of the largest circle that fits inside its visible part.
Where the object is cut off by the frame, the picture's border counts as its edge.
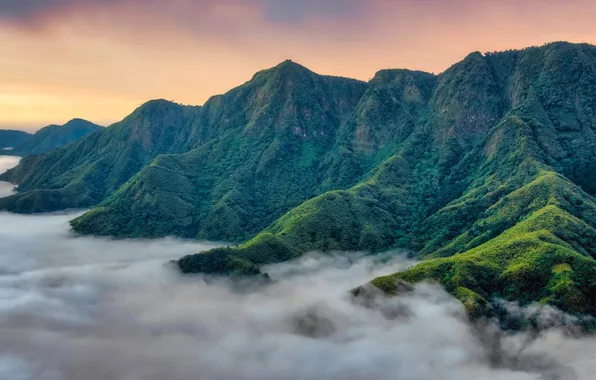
(100, 59)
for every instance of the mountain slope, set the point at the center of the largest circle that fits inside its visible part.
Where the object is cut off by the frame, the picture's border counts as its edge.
(487, 170)
(82, 174)
(10, 138)
(401, 191)
(547, 258)
(495, 186)
(260, 150)
(55, 136)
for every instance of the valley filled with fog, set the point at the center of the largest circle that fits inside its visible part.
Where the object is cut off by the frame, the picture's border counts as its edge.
(7, 162)
(76, 307)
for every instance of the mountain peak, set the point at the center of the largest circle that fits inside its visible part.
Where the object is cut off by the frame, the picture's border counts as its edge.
(76, 123)
(156, 105)
(82, 122)
(470, 62)
(285, 69)
(77, 120)
(389, 75)
(288, 63)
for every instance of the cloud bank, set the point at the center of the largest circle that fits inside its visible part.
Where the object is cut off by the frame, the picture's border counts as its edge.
(85, 308)
(7, 162)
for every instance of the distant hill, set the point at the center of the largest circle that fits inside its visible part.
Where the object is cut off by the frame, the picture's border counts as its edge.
(486, 170)
(259, 151)
(85, 172)
(53, 136)
(11, 138)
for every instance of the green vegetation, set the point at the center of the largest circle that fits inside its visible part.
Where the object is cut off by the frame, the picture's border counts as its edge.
(53, 136)
(486, 186)
(259, 152)
(527, 263)
(10, 138)
(83, 173)
(487, 170)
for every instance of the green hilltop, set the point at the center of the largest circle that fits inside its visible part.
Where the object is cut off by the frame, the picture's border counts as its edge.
(259, 153)
(47, 138)
(487, 170)
(9, 138)
(494, 187)
(83, 173)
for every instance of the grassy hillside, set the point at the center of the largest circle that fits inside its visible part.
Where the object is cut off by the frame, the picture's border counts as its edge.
(494, 187)
(547, 258)
(82, 174)
(260, 153)
(487, 170)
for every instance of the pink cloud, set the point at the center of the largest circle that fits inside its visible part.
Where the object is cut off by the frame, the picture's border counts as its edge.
(30, 12)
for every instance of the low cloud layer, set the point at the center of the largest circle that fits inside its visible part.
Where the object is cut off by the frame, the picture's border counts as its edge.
(85, 308)
(7, 162)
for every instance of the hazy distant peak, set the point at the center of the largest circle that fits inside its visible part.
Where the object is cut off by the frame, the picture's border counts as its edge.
(77, 120)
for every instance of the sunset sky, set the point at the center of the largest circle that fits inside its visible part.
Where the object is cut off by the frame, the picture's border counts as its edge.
(99, 59)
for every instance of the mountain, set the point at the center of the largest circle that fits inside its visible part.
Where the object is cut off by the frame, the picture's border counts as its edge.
(251, 155)
(82, 174)
(10, 138)
(494, 188)
(486, 171)
(301, 135)
(51, 137)
(260, 151)
(55, 136)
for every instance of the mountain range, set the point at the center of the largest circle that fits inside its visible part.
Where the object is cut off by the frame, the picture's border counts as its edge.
(10, 138)
(46, 139)
(486, 171)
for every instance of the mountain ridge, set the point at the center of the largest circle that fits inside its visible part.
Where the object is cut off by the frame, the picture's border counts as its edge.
(464, 167)
(277, 124)
(55, 136)
(50, 137)
(9, 138)
(83, 173)
(521, 146)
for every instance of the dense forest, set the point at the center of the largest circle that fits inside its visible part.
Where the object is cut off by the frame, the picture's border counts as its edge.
(51, 137)
(486, 171)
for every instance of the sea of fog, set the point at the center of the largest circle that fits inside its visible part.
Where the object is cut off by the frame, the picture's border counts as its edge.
(7, 162)
(88, 308)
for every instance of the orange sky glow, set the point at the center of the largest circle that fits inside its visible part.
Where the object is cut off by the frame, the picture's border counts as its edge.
(100, 59)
